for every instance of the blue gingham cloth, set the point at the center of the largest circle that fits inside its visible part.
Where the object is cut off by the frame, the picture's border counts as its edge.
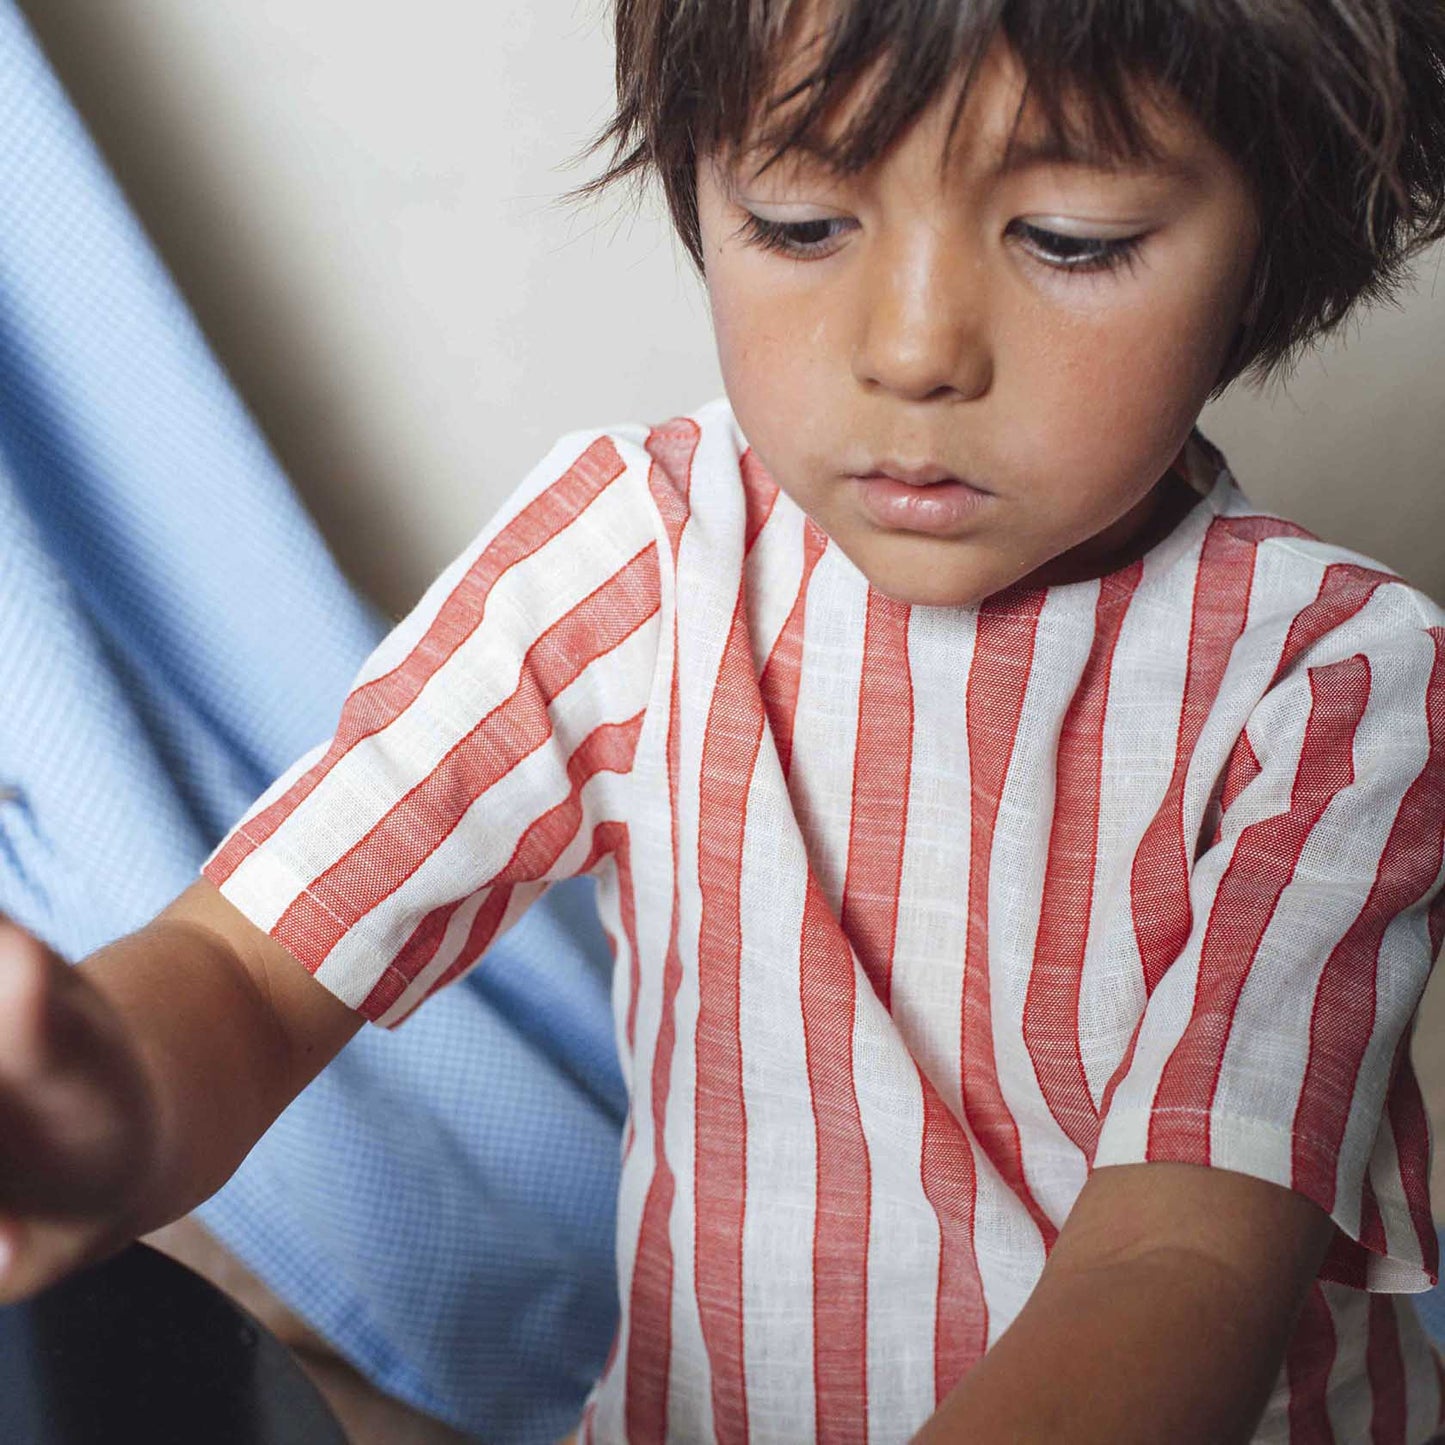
(172, 634)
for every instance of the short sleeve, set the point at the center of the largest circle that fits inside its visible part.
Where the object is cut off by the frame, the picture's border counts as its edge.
(1277, 1043)
(479, 750)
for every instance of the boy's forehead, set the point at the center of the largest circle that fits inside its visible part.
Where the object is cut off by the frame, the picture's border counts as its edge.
(989, 123)
(989, 155)
(992, 155)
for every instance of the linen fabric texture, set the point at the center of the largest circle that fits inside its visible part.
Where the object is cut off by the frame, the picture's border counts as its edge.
(920, 914)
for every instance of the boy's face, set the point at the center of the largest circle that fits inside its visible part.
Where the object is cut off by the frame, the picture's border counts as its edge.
(972, 374)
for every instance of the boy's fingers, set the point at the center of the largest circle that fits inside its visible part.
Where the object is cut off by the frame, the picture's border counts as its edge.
(27, 974)
(35, 1254)
(13, 1264)
(73, 1105)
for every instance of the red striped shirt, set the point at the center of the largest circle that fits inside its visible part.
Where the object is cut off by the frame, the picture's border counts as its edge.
(921, 913)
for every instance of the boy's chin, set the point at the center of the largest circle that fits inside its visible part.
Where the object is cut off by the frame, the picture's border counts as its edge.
(932, 574)
(931, 586)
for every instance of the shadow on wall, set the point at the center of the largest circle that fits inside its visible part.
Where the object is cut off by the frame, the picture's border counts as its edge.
(362, 206)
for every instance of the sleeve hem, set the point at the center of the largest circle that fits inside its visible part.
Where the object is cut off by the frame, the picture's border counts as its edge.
(1261, 1149)
(255, 900)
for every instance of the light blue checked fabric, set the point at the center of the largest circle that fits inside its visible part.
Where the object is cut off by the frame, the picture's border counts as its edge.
(172, 635)
(1432, 1305)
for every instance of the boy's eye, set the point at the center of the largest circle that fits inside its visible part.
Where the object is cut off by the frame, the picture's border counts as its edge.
(1064, 252)
(1076, 253)
(795, 238)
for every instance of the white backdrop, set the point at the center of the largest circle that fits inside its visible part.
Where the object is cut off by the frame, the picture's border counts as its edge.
(362, 202)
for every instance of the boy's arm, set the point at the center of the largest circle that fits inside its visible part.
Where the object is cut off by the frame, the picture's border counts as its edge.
(133, 1085)
(1164, 1313)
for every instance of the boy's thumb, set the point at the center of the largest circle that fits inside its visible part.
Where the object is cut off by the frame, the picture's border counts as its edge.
(27, 974)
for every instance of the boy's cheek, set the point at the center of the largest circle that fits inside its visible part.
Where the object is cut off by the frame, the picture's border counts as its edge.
(1134, 385)
(783, 379)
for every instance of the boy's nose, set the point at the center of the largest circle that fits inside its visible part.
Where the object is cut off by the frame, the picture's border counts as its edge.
(923, 331)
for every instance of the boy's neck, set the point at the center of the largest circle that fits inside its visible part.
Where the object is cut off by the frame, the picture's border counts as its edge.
(1139, 530)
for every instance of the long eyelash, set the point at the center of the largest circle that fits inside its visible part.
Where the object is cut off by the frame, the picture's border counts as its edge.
(1111, 255)
(1104, 256)
(779, 236)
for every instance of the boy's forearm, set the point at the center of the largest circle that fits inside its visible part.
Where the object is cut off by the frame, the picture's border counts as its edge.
(1163, 1347)
(209, 1054)
(211, 1027)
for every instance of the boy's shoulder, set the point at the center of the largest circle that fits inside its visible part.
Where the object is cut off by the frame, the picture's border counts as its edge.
(692, 472)
(671, 450)
(1292, 579)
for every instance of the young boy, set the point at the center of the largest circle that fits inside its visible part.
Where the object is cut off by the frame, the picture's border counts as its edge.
(1021, 853)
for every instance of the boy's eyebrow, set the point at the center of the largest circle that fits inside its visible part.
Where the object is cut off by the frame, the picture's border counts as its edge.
(1018, 154)
(1055, 150)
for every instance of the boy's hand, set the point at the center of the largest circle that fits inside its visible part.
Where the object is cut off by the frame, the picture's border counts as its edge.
(133, 1085)
(78, 1120)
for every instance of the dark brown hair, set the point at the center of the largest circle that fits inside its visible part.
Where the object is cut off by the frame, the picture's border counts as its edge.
(1333, 109)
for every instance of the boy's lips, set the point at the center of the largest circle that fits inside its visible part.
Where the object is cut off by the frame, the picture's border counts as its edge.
(924, 499)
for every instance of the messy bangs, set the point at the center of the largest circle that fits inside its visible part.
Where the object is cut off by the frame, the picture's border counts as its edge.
(1334, 111)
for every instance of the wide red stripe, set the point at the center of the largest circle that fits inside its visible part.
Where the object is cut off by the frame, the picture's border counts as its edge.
(1051, 1004)
(608, 748)
(721, 1131)
(1410, 1126)
(1159, 880)
(396, 846)
(1253, 530)
(760, 493)
(828, 985)
(1385, 1366)
(1159, 876)
(950, 1183)
(649, 1342)
(729, 756)
(782, 673)
(1003, 654)
(869, 916)
(411, 958)
(1344, 1006)
(378, 703)
(882, 759)
(1345, 1263)
(672, 447)
(1261, 867)
(993, 705)
(1307, 1365)
(1344, 590)
(614, 840)
(484, 928)
(1244, 767)
(649, 1345)
(1372, 1223)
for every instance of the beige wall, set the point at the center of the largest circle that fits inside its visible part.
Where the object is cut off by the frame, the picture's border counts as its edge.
(362, 203)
